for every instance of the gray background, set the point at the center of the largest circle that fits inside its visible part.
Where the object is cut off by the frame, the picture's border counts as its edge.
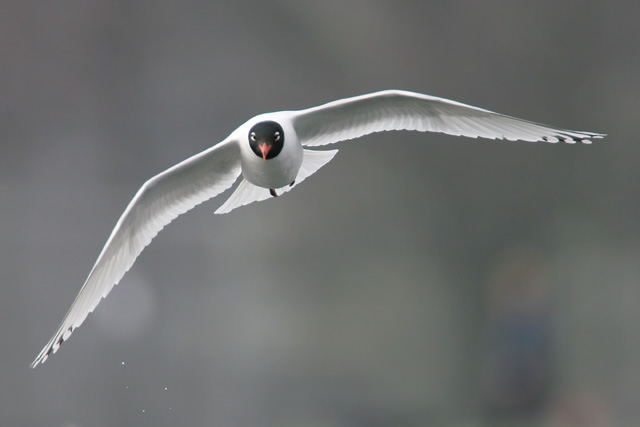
(417, 279)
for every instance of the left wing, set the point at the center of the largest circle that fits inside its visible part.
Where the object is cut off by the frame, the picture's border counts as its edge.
(401, 110)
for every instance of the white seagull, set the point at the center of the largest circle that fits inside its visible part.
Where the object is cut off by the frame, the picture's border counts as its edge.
(271, 153)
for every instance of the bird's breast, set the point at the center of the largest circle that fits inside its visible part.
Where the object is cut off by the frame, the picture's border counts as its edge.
(278, 171)
(272, 173)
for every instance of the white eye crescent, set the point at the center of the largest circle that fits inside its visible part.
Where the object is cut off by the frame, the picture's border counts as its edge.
(276, 136)
(253, 136)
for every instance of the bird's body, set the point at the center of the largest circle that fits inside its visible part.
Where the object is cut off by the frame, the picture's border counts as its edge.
(280, 170)
(272, 153)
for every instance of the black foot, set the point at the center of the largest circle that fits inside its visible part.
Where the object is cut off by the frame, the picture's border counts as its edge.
(292, 182)
(273, 192)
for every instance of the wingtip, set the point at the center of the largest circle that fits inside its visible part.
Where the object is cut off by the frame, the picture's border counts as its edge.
(53, 345)
(44, 355)
(593, 136)
(39, 360)
(572, 137)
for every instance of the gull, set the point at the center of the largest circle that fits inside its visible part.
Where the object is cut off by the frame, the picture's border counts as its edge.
(273, 153)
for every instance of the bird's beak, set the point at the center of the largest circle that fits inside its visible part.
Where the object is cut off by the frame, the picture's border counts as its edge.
(264, 148)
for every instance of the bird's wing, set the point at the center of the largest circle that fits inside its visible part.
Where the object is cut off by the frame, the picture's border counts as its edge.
(401, 110)
(160, 200)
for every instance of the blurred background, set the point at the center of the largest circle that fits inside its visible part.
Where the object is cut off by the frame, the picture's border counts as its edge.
(416, 280)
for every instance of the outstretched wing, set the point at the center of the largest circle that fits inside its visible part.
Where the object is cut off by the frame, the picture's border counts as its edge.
(401, 110)
(160, 200)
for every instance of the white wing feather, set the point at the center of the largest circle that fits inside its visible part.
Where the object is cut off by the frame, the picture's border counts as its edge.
(401, 110)
(160, 200)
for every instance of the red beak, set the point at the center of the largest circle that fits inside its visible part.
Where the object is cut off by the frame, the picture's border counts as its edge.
(264, 148)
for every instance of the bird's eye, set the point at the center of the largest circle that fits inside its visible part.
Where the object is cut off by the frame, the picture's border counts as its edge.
(253, 136)
(276, 136)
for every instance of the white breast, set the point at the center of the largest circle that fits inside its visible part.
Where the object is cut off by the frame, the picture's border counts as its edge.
(279, 171)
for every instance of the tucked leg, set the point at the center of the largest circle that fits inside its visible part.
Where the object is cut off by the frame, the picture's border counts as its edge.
(273, 192)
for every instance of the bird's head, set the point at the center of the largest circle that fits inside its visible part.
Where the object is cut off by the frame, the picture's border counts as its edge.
(266, 139)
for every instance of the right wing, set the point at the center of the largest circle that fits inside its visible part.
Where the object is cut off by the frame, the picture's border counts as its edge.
(159, 201)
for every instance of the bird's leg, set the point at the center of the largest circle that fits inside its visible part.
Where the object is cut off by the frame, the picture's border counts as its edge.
(292, 182)
(273, 192)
